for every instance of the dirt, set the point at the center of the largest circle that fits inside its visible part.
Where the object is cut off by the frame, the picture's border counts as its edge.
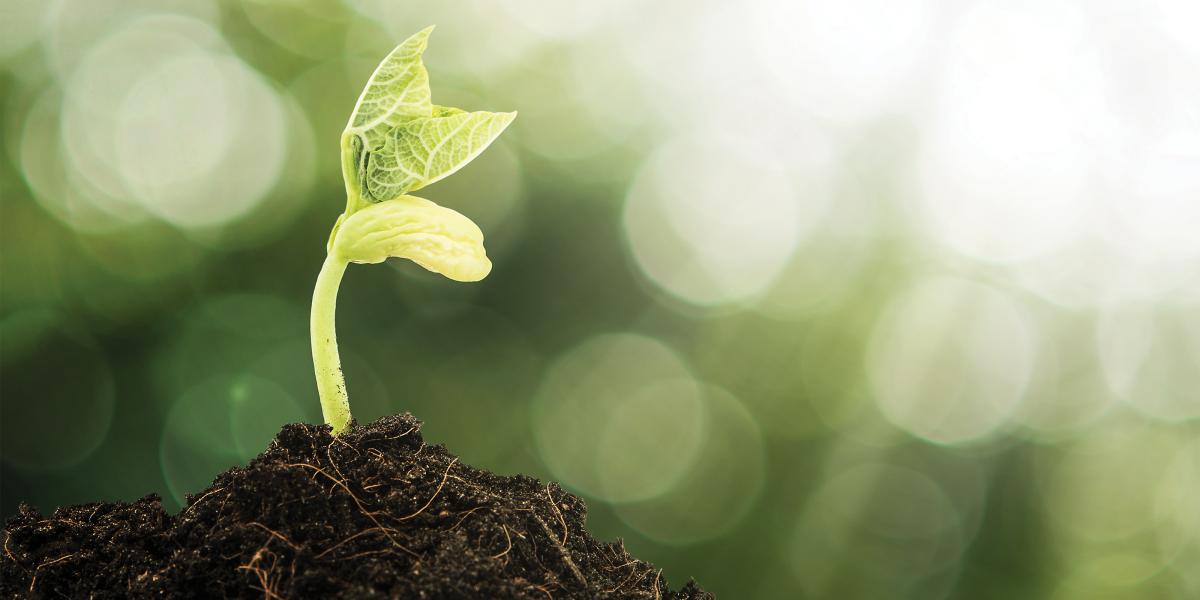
(374, 513)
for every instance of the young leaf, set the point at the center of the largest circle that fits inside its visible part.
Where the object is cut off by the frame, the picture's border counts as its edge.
(398, 89)
(398, 141)
(437, 238)
(422, 151)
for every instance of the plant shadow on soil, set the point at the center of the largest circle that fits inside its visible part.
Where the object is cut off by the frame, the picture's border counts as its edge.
(372, 513)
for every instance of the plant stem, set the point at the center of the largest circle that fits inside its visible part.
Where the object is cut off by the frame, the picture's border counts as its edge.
(331, 385)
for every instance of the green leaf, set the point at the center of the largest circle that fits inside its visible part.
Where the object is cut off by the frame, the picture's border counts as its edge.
(397, 90)
(422, 151)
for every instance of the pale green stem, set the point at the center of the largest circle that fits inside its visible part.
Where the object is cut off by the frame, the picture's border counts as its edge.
(331, 385)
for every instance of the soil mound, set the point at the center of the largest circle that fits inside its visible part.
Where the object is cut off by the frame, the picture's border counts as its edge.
(374, 513)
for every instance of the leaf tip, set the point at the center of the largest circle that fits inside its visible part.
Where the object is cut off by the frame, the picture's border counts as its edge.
(417, 42)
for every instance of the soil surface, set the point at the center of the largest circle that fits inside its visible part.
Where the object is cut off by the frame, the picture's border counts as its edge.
(374, 513)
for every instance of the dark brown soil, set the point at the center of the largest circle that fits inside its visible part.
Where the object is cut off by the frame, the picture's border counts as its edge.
(375, 513)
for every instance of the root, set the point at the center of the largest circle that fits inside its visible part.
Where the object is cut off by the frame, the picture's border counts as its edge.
(352, 538)
(9, 553)
(562, 551)
(445, 476)
(538, 587)
(200, 499)
(620, 554)
(558, 513)
(33, 581)
(70, 522)
(275, 534)
(465, 515)
(368, 514)
(338, 439)
(624, 582)
(371, 483)
(329, 455)
(267, 581)
(367, 553)
(506, 537)
(57, 560)
(542, 589)
(337, 482)
(396, 437)
(632, 562)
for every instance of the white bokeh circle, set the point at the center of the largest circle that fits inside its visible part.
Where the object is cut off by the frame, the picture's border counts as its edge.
(950, 360)
(618, 417)
(713, 220)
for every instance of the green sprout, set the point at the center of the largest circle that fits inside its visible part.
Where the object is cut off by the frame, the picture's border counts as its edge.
(397, 141)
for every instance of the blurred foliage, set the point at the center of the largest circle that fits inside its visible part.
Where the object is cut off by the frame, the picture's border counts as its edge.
(823, 299)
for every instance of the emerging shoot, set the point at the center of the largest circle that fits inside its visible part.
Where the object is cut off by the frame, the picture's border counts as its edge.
(397, 141)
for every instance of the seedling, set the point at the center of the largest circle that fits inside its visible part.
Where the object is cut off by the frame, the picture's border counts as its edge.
(397, 141)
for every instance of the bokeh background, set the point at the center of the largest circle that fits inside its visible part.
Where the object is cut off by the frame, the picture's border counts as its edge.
(813, 299)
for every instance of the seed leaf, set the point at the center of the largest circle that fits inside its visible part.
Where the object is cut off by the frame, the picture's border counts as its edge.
(435, 237)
